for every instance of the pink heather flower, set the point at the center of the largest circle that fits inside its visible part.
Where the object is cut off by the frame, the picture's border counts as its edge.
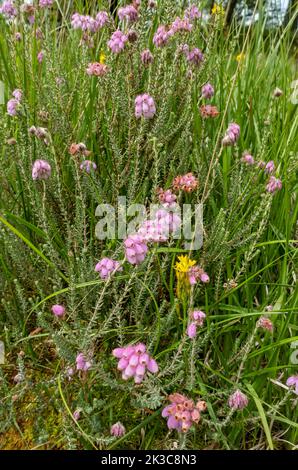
(274, 184)
(129, 13)
(88, 165)
(293, 382)
(82, 363)
(187, 183)
(97, 69)
(152, 231)
(102, 18)
(161, 36)
(107, 266)
(232, 134)
(166, 197)
(238, 401)
(117, 430)
(31, 19)
(117, 42)
(12, 107)
(40, 56)
(8, 9)
(169, 220)
(180, 25)
(265, 323)
(146, 57)
(144, 106)
(17, 94)
(197, 318)
(192, 330)
(134, 361)
(195, 273)
(76, 415)
(18, 36)
(182, 413)
(270, 167)
(207, 91)
(195, 56)
(58, 310)
(135, 249)
(45, 3)
(247, 158)
(192, 12)
(41, 170)
(85, 23)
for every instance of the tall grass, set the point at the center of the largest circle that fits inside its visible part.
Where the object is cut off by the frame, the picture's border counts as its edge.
(49, 248)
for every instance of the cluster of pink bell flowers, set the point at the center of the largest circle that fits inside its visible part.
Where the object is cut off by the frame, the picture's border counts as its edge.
(273, 184)
(134, 362)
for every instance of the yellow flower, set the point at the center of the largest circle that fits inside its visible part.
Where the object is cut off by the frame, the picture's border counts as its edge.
(184, 264)
(102, 58)
(182, 268)
(240, 57)
(217, 10)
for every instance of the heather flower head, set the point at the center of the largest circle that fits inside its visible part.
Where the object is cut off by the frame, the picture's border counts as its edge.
(18, 36)
(146, 57)
(247, 158)
(97, 69)
(195, 273)
(232, 134)
(187, 183)
(132, 36)
(265, 323)
(270, 167)
(207, 110)
(12, 107)
(153, 231)
(182, 413)
(293, 382)
(117, 430)
(238, 401)
(45, 3)
(161, 36)
(195, 56)
(82, 363)
(58, 310)
(180, 25)
(197, 318)
(166, 197)
(79, 149)
(192, 13)
(102, 18)
(273, 185)
(76, 415)
(41, 170)
(128, 13)
(84, 23)
(135, 249)
(207, 91)
(40, 56)
(117, 42)
(88, 165)
(134, 361)
(17, 94)
(8, 9)
(144, 106)
(41, 133)
(107, 266)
